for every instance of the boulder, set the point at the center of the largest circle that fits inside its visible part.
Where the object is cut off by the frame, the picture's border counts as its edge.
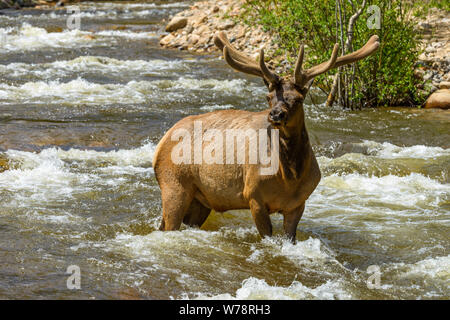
(439, 99)
(176, 23)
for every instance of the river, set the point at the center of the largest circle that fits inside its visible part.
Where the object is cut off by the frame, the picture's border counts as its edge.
(81, 112)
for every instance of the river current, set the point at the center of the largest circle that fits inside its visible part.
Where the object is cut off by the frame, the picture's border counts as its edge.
(81, 112)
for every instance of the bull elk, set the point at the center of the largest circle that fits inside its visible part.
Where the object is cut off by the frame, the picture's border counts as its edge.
(191, 189)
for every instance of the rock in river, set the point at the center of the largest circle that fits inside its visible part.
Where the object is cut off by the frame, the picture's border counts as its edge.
(4, 165)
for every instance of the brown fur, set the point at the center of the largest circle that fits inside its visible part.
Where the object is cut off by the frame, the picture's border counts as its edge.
(190, 191)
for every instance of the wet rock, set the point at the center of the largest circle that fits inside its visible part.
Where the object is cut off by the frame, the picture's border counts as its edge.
(4, 163)
(176, 23)
(439, 99)
(51, 29)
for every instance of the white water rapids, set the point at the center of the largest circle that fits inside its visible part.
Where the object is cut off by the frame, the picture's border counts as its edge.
(81, 113)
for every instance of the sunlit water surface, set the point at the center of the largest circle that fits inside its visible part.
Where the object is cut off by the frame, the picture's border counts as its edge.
(81, 113)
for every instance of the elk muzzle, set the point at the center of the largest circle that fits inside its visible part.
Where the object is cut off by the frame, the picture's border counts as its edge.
(277, 115)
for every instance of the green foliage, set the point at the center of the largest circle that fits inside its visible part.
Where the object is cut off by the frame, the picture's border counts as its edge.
(385, 78)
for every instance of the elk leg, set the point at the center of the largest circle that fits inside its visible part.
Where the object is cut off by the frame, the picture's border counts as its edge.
(161, 226)
(261, 218)
(197, 214)
(175, 202)
(290, 222)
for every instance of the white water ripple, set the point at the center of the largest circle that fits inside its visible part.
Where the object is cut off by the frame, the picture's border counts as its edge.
(30, 38)
(81, 91)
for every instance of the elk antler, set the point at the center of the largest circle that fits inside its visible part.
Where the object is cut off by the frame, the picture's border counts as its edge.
(243, 63)
(302, 77)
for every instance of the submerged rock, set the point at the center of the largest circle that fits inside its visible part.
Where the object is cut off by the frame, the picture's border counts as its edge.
(4, 163)
(439, 99)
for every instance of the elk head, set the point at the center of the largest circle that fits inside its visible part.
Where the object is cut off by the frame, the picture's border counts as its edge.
(286, 95)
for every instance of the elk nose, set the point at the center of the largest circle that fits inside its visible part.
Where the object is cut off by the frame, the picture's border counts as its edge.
(276, 115)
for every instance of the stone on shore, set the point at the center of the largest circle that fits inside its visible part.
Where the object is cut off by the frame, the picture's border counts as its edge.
(439, 99)
(176, 23)
(4, 163)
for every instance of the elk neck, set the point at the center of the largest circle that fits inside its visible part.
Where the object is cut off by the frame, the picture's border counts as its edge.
(295, 149)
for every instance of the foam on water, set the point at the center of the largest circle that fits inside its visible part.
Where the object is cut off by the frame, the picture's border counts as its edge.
(185, 251)
(77, 91)
(80, 91)
(396, 180)
(141, 156)
(157, 246)
(387, 150)
(30, 38)
(415, 190)
(95, 64)
(47, 171)
(437, 268)
(127, 34)
(217, 107)
(42, 171)
(308, 251)
(256, 289)
(27, 38)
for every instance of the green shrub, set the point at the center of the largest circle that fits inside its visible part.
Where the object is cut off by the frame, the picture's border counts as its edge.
(385, 78)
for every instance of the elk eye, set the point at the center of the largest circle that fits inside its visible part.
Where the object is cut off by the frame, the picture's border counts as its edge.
(268, 98)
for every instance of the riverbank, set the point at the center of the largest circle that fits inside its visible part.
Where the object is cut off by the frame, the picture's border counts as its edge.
(193, 30)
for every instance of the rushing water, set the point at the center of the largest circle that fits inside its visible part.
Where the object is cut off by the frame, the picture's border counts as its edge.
(81, 113)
